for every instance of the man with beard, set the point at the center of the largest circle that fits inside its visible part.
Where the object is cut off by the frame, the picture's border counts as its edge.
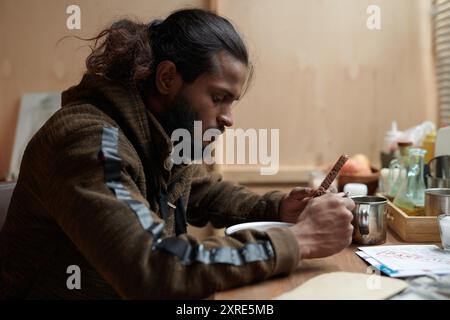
(98, 191)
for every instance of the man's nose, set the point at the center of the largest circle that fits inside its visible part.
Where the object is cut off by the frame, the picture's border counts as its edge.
(225, 119)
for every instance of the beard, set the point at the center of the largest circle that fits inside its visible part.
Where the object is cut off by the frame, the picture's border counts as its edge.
(181, 115)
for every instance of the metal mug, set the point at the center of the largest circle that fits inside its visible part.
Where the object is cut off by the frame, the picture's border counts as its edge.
(433, 182)
(369, 220)
(437, 201)
(439, 167)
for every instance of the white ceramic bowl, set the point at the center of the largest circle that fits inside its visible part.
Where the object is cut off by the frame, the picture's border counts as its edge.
(260, 226)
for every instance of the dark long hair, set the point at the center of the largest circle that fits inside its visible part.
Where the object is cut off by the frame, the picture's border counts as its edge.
(130, 51)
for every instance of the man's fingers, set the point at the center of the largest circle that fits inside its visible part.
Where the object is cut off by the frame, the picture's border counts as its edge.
(335, 195)
(300, 192)
(306, 199)
(349, 203)
(333, 189)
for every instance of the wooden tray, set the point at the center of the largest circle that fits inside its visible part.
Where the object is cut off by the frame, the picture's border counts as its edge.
(411, 228)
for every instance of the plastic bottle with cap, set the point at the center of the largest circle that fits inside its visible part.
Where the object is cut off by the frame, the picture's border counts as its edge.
(390, 145)
(428, 144)
(391, 138)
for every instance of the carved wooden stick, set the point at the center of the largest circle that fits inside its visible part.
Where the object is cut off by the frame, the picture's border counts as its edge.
(326, 183)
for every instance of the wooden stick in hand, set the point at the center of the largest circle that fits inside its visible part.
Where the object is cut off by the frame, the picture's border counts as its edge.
(326, 183)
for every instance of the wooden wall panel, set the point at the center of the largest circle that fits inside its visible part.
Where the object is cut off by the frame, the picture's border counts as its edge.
(329, 83)
(30, 59)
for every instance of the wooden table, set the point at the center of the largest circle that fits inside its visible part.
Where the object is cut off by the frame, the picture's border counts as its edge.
(346, 260)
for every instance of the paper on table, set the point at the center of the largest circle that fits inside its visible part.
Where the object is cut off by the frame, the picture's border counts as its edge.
(409, 259)
(396, 273)
(346, 286)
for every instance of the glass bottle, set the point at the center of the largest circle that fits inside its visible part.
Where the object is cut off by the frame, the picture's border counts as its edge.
(428, 144)
(411, 195)
(398, 168)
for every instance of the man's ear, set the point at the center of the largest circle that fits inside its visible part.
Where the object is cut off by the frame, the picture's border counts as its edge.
(167, 80)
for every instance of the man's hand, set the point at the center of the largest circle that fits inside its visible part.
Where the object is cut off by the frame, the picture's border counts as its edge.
(324, 227)
(294, 203)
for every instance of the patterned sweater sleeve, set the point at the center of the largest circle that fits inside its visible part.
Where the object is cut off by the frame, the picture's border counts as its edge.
(97, 204)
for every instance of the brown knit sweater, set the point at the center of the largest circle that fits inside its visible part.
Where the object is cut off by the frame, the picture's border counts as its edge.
(97, 190)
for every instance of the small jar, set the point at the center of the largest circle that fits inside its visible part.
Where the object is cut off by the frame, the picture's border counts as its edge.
(444, 227)
(355, 189)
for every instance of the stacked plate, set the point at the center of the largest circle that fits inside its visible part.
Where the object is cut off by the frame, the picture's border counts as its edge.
(260, 226)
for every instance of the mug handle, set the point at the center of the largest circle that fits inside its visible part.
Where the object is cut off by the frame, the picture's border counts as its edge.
(363, 219)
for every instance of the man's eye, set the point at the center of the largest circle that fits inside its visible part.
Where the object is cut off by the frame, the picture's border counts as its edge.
(217, 99)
